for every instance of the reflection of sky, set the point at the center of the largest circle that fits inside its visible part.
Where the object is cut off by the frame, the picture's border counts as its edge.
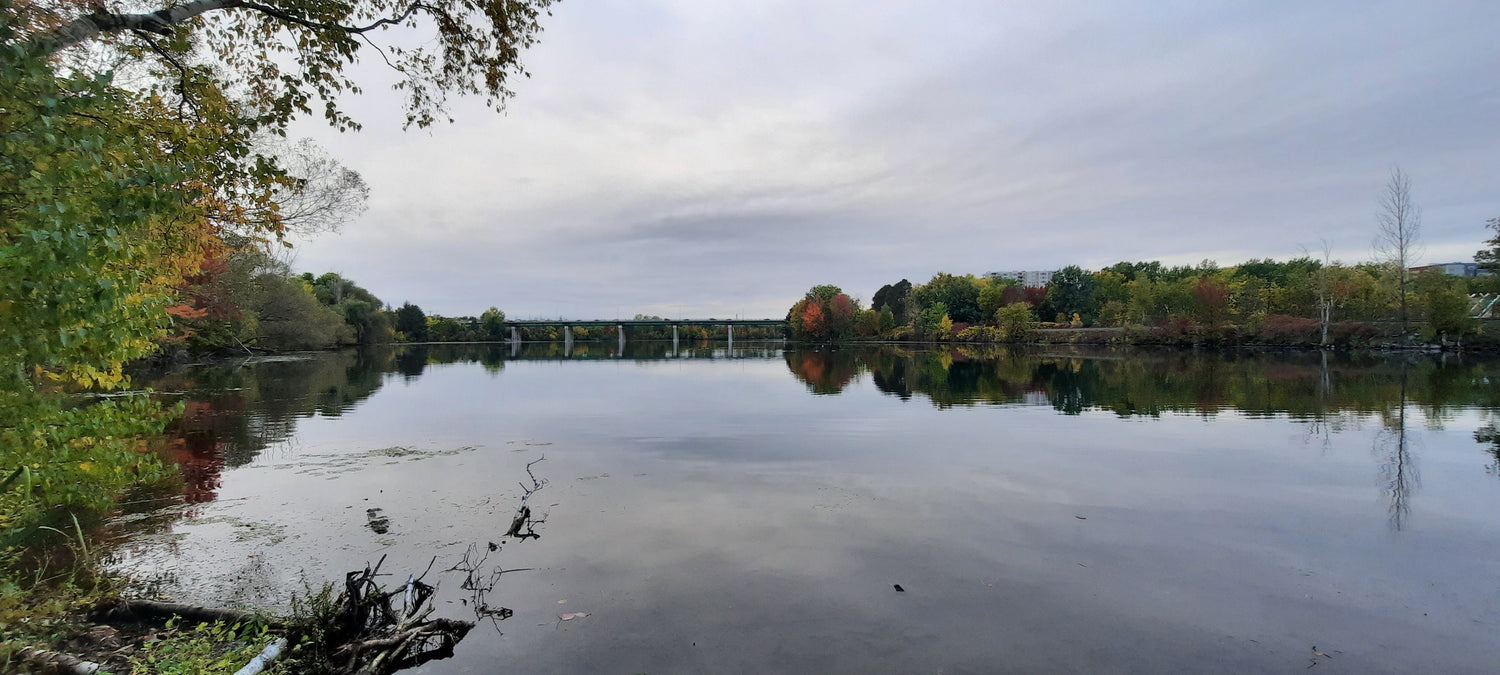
(715, 516)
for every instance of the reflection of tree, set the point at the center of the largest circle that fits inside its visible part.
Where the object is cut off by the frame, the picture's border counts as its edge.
(411, 360)
(234, 411)
(823, 371)
(1310, 386)
(1398, 471)
(888, 370)
(1487, 433)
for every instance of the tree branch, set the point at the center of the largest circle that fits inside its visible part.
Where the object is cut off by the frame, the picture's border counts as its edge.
(159, 22)
(323, 25)
(162, 22)
(182, 75)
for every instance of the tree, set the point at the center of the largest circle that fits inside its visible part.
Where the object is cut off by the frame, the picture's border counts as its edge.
(841, 314)
(1213, 299)
(492, 324)
(1323, 286)
(475, 50)
(411, 322)
(1071, 291)
(1489, 258)
(992, 297)
(1446, 303)
(934, 321)
(960, 294)
(867, 323)
(290, 316)
(887, 319)
(814, 321)
(1015, 321)
(893, 296)
(1399, 229)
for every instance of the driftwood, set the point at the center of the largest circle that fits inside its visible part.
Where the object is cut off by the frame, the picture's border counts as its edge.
(139, 610)
(521, 525)
(480, 578)
(384, 631)
(60, 662)
(370, 631)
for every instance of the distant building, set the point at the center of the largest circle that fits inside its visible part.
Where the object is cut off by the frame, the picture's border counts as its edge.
(1457, 269)
(1025, 277)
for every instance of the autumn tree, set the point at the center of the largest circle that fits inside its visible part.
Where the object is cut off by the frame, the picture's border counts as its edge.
(825, 313)
(1213, 299)
(814, 321)
(841, 314)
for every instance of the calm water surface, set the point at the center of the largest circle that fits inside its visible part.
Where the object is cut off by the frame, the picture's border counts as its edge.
(1045, 511)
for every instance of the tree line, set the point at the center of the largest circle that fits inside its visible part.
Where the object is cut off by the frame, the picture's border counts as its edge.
(1303, 300)
(1299, 300)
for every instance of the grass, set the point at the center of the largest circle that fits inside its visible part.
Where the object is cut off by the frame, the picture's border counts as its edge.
(203, 649)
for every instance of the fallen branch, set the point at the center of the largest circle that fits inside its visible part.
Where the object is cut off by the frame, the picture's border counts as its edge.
(137, 610)
(64, 663)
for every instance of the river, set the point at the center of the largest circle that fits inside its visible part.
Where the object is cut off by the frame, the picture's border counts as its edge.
(756, 510)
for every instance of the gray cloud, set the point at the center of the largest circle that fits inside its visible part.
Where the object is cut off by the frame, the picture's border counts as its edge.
(722, 157)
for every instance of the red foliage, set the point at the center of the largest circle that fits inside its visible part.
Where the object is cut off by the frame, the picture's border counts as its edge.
(843, 310)
(196, 443)
(1213, 299)
(205, 295)
(1281, 329)
(814, 322)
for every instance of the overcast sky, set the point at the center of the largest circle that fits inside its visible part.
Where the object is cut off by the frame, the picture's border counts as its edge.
(706, 158)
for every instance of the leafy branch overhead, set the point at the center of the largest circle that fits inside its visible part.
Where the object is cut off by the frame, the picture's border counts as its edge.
(241, 45)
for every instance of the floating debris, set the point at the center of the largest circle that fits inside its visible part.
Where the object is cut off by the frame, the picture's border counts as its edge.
(377, 521)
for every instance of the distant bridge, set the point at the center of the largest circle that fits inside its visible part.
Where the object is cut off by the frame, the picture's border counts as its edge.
(568, 324)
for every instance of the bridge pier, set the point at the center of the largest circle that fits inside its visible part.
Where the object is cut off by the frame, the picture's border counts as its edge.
(515, 335)
(729, 328)
(674, 339)
(567, 340)
(620, 329)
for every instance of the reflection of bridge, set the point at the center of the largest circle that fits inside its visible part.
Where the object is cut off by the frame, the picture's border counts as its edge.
(567, 325)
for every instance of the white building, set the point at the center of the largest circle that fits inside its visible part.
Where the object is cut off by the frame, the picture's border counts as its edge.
(1025, 277)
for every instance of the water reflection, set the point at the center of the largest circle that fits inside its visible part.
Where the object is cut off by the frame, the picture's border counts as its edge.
(1128, 383)
(235, 411)
(1143, 503)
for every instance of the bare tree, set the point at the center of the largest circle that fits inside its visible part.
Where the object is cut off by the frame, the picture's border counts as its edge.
(1399, 223)
(319, 195)
(1322, 280)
